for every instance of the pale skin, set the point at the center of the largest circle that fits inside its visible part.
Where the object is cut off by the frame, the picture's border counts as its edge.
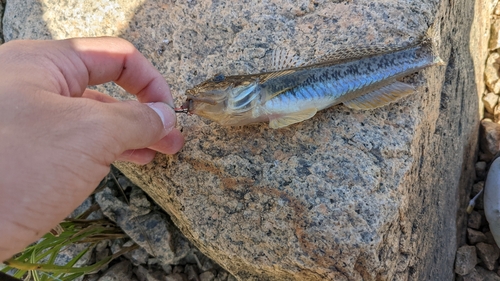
(58, 139)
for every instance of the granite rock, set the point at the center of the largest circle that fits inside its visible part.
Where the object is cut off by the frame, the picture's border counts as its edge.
(121, 271)
(481, 170)
(489, 238)
(144, 274)
(491, 75)
(496, 114)
(479, 40)
(150, 229)
(176, 277)
(490, 100)
(474, 236)
(472, 276)
(465, 260)
(487, 275)
(494, 36)
(345, 195)
(490, 139)
(475, 220)
(488, 254)
(207, 276)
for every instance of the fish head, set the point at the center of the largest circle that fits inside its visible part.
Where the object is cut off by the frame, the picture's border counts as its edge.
(217, 99)
(208, 98)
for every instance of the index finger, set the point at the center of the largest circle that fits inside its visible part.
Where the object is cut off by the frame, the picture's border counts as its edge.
(113, 59)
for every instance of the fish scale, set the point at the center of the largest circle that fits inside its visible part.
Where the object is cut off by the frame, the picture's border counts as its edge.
(292, 95)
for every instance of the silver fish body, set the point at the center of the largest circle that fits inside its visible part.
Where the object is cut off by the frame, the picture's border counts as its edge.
(292, 95)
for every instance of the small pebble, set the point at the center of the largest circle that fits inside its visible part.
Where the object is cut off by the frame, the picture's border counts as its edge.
(488, 254)
(138, 256)
(489, 238)
(481, 170)
(489, 139)
(141, 273)
(121, 271)
(491, 73)
(490, 100)
(207, 276)
(190, 271)
(486, 274)
(472, 276)
(494, 36)
(176, 277)
(474, 220)
(178, 269)
(475, 236)
(465, 260)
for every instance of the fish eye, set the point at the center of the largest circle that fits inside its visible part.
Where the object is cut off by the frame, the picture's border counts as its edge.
(218, 78)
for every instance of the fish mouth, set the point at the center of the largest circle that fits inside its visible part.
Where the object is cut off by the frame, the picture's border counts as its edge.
(188, 105)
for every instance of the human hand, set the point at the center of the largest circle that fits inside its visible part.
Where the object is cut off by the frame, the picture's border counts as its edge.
(58, 139)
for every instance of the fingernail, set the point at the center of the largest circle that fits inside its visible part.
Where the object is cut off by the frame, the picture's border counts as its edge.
(166, 113)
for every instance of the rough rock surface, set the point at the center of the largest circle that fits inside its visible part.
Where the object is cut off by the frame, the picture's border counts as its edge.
(488, 254)
(491, 73)
(490, 100)
(474, 236)
(490, 139)
(119, 272)
(487, 275)
(344, 195)
(465, 260)
(472, 276)
(2, 5)
(494, 38)
(152, 230)
(479, 40)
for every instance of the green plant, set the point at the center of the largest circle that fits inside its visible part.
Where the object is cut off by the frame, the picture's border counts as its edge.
(37, 262)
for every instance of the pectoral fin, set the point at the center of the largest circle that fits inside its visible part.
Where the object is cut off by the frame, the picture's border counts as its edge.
(381, 97)
(292, 118)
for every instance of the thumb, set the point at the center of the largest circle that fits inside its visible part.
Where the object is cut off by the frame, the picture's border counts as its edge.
(135, 125)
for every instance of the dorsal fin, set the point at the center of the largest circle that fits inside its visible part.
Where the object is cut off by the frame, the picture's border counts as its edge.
(284, 59)
(381, 97)
(341, 54)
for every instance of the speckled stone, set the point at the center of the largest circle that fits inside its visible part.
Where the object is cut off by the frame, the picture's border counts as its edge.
(490, 100)
(494, 36)
(481, 171)
(119, 272)
(475, 220)
(474, 236)
(207, 276)
(345, 195)
(465, 260)
(472, 276)
(491, 75)
(487, 275)
(149, 229)
(490, 139)
(479, 40)
(488, 254)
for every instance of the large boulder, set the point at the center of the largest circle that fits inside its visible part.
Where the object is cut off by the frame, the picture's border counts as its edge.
(346, 195)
